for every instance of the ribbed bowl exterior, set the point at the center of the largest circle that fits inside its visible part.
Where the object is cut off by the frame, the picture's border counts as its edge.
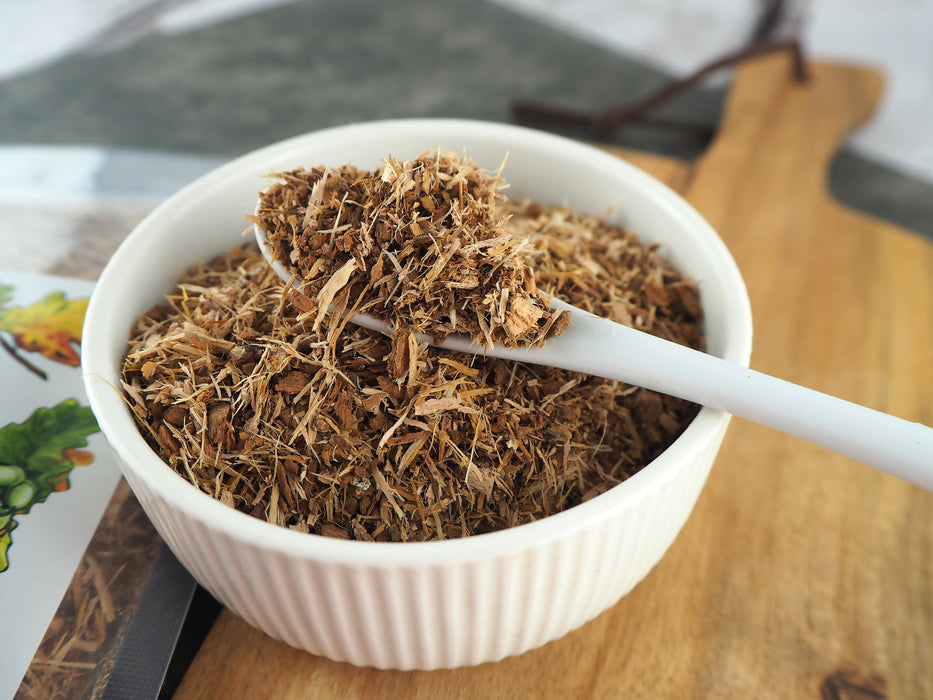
(432, 616)
(434, 604)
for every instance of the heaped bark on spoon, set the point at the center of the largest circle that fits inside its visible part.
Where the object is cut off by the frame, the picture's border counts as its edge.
(419, 242)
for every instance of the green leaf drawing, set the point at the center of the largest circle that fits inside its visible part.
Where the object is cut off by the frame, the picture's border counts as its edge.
(36, 458)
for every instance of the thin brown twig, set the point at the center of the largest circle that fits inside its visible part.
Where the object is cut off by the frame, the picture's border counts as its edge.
(22, 360)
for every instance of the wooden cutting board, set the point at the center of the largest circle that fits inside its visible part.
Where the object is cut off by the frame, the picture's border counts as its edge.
(800, 573)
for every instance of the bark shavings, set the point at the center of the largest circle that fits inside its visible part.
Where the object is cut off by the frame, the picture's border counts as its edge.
(305, 421)
(422, 242)
(76, 656)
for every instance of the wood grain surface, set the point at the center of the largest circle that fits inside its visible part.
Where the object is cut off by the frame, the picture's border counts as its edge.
(800, 574)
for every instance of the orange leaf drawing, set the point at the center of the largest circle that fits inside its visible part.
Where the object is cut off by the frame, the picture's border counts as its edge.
(51, 327)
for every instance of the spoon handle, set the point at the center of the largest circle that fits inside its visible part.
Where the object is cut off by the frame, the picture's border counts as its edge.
(595, 345)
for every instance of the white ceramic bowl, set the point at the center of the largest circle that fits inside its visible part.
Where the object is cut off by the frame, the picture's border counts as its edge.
(435, 604)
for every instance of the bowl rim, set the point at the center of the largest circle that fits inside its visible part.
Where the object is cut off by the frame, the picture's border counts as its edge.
(135, 455)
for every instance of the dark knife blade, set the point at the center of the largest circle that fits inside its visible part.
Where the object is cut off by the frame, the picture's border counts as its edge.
(152, 636)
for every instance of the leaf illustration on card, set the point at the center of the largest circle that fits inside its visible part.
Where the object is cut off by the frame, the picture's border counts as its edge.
(36, 459)
(51, 327)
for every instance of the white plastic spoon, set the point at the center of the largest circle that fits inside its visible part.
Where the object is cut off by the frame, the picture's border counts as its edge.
(597, 346)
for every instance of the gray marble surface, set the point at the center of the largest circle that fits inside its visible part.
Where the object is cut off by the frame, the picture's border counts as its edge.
(226, 89)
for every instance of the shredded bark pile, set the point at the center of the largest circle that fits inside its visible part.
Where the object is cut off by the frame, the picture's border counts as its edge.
(324, 427)
(420, 242)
